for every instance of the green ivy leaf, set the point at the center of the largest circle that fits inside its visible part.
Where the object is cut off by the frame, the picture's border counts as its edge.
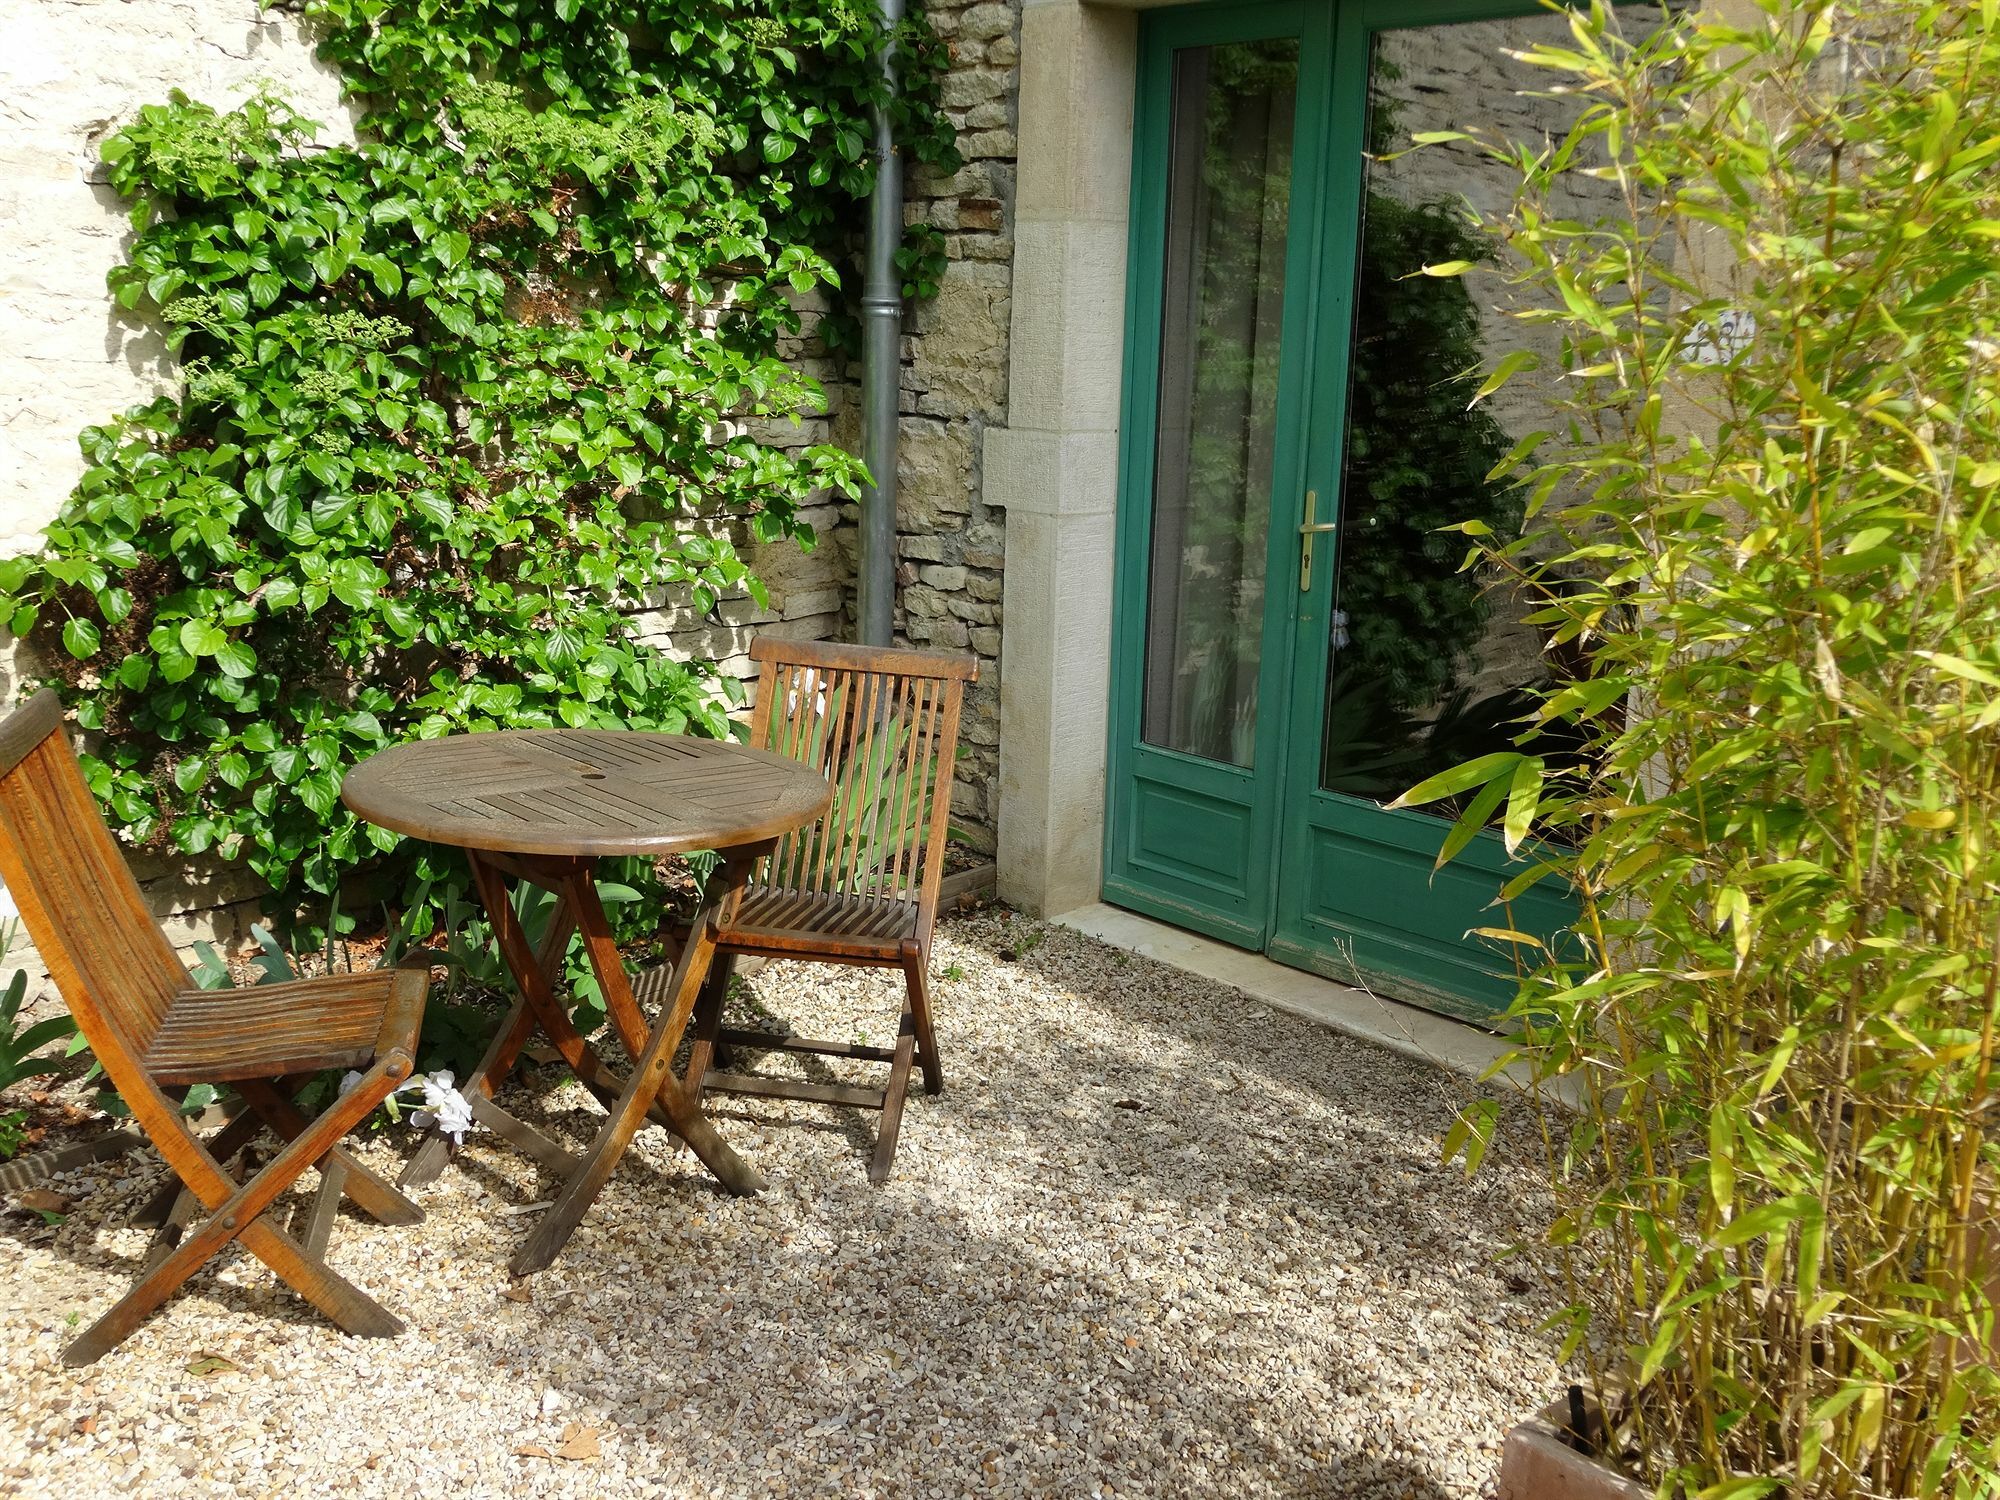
(236, 659)
(201, 638)
(81, 638)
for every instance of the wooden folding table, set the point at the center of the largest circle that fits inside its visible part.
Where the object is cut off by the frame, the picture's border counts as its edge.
(542, 806)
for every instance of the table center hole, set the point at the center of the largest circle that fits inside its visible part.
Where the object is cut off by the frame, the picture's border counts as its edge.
(593, 775)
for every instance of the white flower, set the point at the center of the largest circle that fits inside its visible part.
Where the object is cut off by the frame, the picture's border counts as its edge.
(808, 683)
(8, 910)
(444, 1106)
(1340, 635)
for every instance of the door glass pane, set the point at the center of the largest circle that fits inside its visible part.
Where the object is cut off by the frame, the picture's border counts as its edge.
(1228, 202)
(1428, 665)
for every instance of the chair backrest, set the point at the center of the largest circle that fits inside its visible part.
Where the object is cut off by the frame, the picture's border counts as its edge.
(883, 725)
(89, 921)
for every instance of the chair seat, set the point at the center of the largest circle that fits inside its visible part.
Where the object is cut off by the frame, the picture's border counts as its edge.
(271, 1030)
(773, 919)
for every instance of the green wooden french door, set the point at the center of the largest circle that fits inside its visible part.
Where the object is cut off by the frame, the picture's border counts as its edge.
(1295, 642)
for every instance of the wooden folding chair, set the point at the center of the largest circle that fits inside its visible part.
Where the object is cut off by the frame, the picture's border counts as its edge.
(861, 885)
(155, 1034)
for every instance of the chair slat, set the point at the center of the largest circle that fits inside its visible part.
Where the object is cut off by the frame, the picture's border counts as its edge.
(831, 742)
(929, 770)
(87, 908)
(863, 821)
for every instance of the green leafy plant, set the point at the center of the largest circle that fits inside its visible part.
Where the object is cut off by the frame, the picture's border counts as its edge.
(880, 793)
(879, 798)
(1772, 524)
(1418, 457)
(21, 1055)
(458, 398)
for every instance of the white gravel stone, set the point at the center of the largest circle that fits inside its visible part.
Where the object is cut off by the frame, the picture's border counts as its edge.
(1151, 1241)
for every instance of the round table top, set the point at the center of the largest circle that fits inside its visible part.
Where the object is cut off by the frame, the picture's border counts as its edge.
(585, 792)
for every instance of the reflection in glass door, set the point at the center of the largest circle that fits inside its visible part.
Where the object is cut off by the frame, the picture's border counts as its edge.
(1228, 202)
(1429, 665)
(1226, 136)
(1409, 664)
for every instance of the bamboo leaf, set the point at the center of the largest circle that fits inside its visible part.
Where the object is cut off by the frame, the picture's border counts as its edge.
(1510, 366)
(1722, 1157)
(1744, 1488)
(1461, 778)
(1478, 813)
(1934, 146)
(1523, 797)
(1770, 1218)
(1958, 666)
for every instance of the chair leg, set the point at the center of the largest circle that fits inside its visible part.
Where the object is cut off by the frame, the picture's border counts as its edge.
(372, 1194)
(173, 1205)
(325, 1204)
(346, 1304)
(237, 1213)
(704, 1053)
(892, 1104)
(172, 1225)
(916, 971)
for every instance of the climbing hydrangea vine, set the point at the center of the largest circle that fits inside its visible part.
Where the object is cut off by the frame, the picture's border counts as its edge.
(456, 398)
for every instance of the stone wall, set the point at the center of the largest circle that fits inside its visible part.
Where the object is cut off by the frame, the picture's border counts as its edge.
(954, 387)
(950, 543)
(73, 71)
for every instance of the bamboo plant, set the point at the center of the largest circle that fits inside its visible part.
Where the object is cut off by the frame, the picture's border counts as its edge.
(1766, 537)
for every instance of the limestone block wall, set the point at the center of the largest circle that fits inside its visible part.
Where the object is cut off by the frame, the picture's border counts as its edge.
(952, 542)
(73, 71)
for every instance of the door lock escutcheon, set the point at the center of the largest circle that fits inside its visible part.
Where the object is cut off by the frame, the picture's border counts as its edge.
(1308, 529)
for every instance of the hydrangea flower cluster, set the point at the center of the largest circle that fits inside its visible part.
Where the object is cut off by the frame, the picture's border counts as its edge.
(444, 1106)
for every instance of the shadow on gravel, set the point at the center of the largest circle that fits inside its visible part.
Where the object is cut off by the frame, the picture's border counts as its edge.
(1144, 1244)
(1149, 1242)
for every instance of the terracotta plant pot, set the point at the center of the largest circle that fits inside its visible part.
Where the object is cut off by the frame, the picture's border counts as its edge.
(1541, 1462)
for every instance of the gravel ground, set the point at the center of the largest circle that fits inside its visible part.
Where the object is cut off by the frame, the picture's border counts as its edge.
(1154, 1239)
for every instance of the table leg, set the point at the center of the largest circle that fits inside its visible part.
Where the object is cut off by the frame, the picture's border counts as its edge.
(651, 1080)
(580, 893)
(533, 972)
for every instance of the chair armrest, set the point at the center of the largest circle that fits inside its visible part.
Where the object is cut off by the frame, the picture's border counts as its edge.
(404, 1017)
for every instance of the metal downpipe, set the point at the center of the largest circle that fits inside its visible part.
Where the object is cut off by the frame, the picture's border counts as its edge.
(881, 368)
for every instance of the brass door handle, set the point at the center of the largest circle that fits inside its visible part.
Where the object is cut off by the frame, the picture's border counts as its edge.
(1308, 529)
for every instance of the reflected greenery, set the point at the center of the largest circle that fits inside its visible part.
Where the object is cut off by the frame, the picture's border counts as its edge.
(1408, 623)
(1228, 217)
